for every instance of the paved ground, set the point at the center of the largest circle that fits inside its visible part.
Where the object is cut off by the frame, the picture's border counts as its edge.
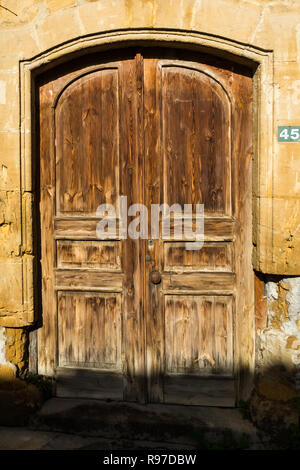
(69, 424)
(22, 438)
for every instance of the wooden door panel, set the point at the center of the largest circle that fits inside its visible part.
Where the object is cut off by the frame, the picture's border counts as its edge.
(88, 279)
(87, 143)
(195, 123)
(98, 254)
(199, 343)
(198, 334)
(211, 257)
(221, 282)
(89, 383)
(90, 330)
(197, 390)
(77, 228)
(215, 229)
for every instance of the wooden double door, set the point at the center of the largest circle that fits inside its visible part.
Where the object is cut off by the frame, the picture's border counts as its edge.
(145, 319)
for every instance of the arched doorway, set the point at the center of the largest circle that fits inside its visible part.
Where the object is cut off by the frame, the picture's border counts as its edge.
(157, 126)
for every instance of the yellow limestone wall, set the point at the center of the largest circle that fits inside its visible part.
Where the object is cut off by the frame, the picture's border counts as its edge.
(30, 28)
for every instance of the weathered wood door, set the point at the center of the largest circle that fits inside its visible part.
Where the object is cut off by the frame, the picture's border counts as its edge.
(158, 127)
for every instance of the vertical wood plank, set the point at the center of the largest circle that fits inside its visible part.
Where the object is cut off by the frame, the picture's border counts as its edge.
(154, 310)
(131, 128)
(47, 336)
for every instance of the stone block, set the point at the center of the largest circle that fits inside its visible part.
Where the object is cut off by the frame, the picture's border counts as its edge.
(175, 14)
(9, 100)
(287, 92)
(105, 15)
(16, 348)
(10, 230)
(286, 182)
(55, 5)
(278, 30)
(232, 19)
(19, 44)
(286, 237)
(11, 289)
(55, 29)
(18, 14)
(9, 161)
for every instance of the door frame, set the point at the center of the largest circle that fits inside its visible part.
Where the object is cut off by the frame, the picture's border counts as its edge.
(261, 63)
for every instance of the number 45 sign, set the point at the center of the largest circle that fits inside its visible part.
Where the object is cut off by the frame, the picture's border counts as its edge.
(288, 133)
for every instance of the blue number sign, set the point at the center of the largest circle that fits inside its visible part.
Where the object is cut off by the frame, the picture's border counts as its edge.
(288, 133)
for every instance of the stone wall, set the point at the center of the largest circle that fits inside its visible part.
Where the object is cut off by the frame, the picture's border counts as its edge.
(33, 30)
(277, 392)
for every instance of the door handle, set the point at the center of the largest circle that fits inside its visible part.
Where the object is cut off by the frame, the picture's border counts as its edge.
(155, 277)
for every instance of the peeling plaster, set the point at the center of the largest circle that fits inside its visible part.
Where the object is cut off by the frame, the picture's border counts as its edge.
(293, 297)
(2, 347)
(280, 341)
(3, 361)
(271, 291)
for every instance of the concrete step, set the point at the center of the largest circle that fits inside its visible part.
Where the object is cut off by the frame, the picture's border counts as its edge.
(182, 426)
